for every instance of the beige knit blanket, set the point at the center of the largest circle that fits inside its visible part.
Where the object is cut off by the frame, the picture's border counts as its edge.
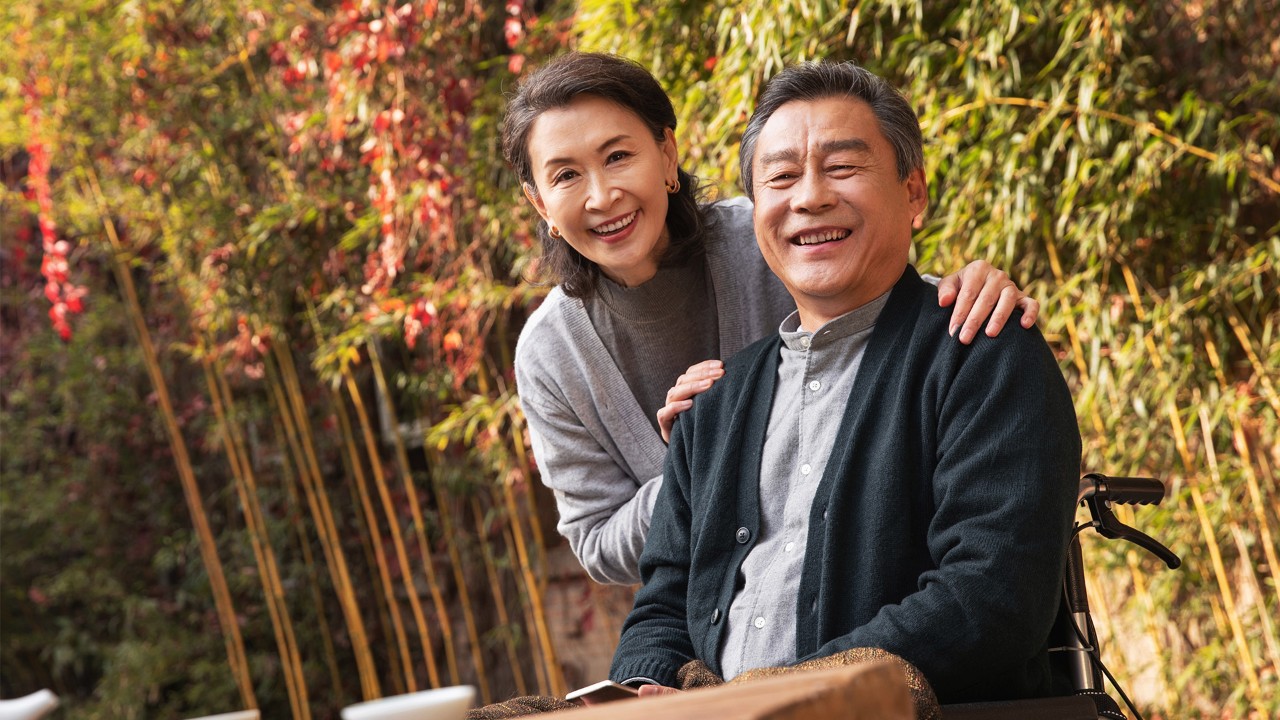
(697, 675)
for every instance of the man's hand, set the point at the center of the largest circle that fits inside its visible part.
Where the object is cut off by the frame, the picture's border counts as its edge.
(657, 690)
(697, 379)
(981, 290)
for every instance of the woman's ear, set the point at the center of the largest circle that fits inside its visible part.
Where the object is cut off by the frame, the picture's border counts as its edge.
(535, 199)
(670, 154)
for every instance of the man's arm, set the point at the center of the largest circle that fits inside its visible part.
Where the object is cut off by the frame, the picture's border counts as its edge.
(655, 641)
(1008, 457)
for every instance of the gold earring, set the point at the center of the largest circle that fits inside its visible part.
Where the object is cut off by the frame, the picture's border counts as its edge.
(673, 187)
(554, 232)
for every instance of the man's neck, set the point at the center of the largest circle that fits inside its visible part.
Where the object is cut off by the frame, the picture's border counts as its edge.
(818, 311)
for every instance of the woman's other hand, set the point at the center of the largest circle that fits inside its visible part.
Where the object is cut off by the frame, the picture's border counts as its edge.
(697, 379)
(981, 292)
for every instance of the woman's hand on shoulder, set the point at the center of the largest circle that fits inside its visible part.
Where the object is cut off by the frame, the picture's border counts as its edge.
(981, 292)
(696, 380)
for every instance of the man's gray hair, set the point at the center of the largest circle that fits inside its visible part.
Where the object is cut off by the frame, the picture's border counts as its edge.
(818, 80)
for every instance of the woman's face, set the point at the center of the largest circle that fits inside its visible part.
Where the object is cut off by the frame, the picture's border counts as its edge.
(601, 182)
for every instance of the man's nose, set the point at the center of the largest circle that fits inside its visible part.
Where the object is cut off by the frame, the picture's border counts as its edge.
(813, 193)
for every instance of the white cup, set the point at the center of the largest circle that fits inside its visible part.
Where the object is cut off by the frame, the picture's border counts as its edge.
(450, 703)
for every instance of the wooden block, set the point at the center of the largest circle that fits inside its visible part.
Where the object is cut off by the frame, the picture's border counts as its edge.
(874, 691)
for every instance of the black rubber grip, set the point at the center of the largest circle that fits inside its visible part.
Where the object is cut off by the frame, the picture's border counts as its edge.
(1131, 490)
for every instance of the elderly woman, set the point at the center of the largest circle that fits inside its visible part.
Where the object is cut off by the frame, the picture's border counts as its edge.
(653, 289)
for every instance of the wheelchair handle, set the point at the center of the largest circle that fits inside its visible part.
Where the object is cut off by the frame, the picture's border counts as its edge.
(1098, 492)
(1121, 490)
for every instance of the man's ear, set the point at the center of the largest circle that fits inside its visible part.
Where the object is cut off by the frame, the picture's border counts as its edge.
(535, 200)
(917, 195)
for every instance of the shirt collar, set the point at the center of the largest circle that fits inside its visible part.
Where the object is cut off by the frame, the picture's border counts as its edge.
(837, 329)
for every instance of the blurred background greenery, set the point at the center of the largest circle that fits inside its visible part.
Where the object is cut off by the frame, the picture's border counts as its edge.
(263, 268)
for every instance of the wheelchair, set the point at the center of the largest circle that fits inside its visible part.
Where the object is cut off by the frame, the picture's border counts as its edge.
(1074, 644)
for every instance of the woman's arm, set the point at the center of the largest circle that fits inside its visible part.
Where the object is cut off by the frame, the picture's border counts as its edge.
(604, 512)
(980, 292)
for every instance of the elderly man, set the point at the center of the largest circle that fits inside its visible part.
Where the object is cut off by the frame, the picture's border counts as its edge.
(861, 479)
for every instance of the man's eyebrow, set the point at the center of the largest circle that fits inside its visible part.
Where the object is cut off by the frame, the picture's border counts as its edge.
(829, 146)
(855, 144)
(599, 149)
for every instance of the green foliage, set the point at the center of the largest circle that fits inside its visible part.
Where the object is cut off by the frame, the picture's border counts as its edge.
(1119, 159)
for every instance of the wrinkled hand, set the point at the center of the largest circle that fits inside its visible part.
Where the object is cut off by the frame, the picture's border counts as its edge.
(979, 291)
(697, 379)
(657, 690)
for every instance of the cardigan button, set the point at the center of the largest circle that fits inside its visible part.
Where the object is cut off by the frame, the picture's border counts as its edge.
(715, 616)
(743, 536)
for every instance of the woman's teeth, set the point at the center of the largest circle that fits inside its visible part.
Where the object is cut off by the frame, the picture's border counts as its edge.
(615, 226)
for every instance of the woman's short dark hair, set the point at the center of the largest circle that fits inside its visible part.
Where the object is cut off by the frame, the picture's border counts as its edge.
(817, 80)
(618, 80)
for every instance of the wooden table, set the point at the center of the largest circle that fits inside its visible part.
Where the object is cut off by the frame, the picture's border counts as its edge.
(874, 691)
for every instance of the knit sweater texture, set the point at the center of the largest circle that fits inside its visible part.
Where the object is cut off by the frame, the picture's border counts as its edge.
(938, 531)
(595, 446)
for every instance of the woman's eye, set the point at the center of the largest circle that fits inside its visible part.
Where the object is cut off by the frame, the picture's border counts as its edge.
(564, 177)
(618, 155)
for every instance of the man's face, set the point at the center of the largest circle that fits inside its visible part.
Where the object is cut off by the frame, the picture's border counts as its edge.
(831, 217)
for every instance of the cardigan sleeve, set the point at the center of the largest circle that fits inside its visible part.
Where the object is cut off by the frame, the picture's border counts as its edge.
(604, 512)
(655, 640)
(1004, 481)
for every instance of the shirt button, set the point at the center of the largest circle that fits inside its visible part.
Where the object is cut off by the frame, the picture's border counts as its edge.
(824, 514)
(805, 469)
(759, 623)
(804, 342)
(743, 535)
(715, 617)
(814, 385)
(789, 547)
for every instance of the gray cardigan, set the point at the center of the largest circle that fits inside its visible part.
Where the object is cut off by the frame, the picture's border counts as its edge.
(938, 531)
(595, 448)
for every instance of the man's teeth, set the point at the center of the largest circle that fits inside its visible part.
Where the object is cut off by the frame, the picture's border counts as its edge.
(615, 226)
(821, 237)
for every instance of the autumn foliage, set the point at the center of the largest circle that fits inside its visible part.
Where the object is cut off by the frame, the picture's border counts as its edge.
(263, 268)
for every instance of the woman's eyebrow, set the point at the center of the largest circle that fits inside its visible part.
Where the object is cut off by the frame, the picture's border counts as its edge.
(601, 148)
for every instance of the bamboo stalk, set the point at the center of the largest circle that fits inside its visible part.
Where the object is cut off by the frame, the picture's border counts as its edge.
(526, 470)
(1259, 509)
(420, 535)
(259, 540)
(375, 535)
(1259, 370)
(1073, 333)
(1250, 574)
(459, 578)
(380, 611)
(499, 598)
(554, 676)
(236, 656)
(294, 417)
(1247, 666)
(308, 561)
(526, 607)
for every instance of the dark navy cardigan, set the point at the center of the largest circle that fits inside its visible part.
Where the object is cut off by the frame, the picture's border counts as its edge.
(938, 531)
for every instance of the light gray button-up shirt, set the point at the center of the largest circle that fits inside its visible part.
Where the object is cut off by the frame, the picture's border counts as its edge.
(815, 375)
